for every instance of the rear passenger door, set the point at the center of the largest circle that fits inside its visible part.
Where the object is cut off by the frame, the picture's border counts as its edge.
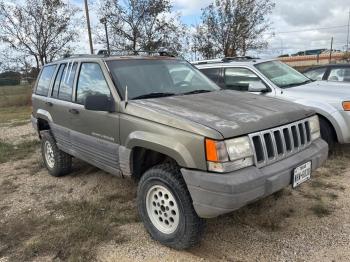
(95, 134)
(60, 102)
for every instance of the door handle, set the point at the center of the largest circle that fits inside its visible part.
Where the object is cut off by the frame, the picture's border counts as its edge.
(73, 111)
(49, 103)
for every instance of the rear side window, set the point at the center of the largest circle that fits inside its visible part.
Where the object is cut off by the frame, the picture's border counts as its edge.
(91, 82)
(211, 73)
(65, 90)
(58, 78)
(45, 80)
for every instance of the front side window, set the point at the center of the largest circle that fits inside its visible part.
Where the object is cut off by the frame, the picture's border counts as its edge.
(45, 80)
(66, 85)
(239, 78)
(211, 73)
(91, 82)
(281, 74)
(341, 74)
(163, 77)
(316, 74)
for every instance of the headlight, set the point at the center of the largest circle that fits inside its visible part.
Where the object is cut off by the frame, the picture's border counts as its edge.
(228, 155)
(314, 127)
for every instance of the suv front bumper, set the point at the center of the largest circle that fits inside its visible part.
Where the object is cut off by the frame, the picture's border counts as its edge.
(215, 194)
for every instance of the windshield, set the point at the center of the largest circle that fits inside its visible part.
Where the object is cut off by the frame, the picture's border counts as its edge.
(281, 74)
(147, 78)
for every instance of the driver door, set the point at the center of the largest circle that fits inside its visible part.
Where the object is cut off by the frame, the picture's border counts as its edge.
(95, 134)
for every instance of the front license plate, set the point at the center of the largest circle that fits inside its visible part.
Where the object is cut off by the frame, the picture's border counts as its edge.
(301, 174)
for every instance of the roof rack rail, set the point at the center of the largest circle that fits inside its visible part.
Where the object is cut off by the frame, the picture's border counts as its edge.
(225, 60)
(122, 52)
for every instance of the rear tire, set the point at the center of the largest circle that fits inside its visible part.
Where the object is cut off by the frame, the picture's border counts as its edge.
(165, 207)
(57, 162)
(327, 133)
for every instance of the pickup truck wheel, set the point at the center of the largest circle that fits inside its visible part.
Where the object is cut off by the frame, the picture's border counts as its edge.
(327, 133)
(57, 162)
(165, 207)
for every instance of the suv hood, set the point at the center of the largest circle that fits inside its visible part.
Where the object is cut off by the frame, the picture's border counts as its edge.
(321, 89)
(229, 112)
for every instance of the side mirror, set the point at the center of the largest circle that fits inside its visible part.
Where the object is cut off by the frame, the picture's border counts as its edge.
(257, 87)
(99, 103)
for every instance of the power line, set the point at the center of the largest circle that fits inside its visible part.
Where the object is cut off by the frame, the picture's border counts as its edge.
(307, 30)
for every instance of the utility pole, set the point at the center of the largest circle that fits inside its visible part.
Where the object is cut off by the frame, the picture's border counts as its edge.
(88, 26)
(330, 53)
(347, 39)
(104, 22)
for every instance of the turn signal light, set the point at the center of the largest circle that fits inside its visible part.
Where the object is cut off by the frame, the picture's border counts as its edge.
(346, 105)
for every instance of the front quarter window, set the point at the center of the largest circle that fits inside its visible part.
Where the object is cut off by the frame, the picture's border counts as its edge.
(281, 74)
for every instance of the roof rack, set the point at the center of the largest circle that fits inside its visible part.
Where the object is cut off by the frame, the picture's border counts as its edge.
(225, 60)
(123, 52)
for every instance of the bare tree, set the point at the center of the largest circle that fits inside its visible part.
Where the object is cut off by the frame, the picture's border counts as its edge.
(142, 24)
(232, 27)
(43, 29)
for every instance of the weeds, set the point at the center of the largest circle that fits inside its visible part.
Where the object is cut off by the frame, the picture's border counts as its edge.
(71, 232)
(320, 209)
(16, 152)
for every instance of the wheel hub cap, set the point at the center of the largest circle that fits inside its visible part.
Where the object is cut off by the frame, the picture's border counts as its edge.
(162, 209)
(49, 155)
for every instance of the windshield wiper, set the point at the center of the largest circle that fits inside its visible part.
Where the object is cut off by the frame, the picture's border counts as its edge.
(196, 92)
(153, 95)
(297, 84)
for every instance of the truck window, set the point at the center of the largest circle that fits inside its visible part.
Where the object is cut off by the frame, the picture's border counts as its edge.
(316, 74)
(58, 78)
(91, 82)
(65, 90)
(45, 80)
(211, 73)
(239, 78)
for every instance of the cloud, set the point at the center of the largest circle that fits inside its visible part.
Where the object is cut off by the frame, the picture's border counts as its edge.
(190, 7)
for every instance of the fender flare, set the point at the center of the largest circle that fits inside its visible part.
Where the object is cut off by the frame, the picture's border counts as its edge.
(162, 144)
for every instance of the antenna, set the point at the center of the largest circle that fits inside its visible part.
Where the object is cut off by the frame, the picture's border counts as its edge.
(126, 96)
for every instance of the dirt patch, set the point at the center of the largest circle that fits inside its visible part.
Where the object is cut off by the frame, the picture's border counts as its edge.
(91, 215)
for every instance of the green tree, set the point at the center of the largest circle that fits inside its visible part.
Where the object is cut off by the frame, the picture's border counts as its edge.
(231, 27)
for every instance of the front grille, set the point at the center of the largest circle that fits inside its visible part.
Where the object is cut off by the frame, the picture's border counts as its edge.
(278, 143)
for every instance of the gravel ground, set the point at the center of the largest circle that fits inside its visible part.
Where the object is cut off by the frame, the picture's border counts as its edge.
(310, 223)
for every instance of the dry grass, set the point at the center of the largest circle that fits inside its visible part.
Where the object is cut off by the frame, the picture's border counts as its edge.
(72, 231)
(10, 152)
(15, 114)
(15, 95)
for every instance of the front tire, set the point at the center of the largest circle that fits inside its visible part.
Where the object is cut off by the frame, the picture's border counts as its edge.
(165, 207)
(57, 162)
(327, 133)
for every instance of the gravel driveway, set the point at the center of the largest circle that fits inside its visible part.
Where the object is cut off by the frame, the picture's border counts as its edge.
(310, 223)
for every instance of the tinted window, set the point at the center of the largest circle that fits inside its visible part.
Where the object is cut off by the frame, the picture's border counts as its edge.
(340, 74)
(58, 78)
(91, 81)
(212, 73)
(66, 85)
(239, 78)
(316, 74)
(44, 80)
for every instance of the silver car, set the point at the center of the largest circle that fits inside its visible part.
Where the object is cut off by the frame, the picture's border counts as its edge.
(273, 78)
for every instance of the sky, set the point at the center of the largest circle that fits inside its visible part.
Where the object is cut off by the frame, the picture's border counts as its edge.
(296, 25)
